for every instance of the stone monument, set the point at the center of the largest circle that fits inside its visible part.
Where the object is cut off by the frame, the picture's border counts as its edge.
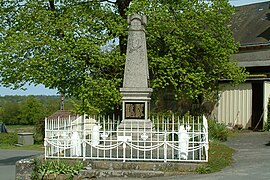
(135, 91)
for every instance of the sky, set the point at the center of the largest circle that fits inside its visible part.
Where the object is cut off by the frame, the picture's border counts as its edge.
(245, 2)
(41, 90)
(31, 90)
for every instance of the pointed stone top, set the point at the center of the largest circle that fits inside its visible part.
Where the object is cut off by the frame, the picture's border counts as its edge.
(136, 67)
(137, 22)
(135, 91)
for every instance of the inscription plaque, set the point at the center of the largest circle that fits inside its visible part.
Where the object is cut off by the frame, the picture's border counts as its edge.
(134, 110)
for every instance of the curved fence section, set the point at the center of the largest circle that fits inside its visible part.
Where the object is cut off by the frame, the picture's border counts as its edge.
(162, 138)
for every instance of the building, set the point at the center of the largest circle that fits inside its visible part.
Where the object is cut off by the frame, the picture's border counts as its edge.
(246, 104)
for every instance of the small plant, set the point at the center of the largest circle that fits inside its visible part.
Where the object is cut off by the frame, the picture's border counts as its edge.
(217, 131)
(266, 126)
(203, 169)
(55, 167)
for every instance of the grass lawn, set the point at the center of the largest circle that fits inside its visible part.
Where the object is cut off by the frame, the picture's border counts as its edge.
(220, 156)
(35, 147)
(20, 128)
(10, 139)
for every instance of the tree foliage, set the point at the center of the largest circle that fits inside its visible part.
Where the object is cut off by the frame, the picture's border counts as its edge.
(29, 109)
(78, 47)
(9, 113)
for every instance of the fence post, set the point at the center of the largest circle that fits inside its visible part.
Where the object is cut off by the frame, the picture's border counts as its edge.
(165, 146)
(58, 128)
(205, 132)
(84, 138)
(45, 139)
(124, 152)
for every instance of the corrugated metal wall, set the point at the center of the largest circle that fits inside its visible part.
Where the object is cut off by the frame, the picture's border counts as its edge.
(235, 105)
(266, 91)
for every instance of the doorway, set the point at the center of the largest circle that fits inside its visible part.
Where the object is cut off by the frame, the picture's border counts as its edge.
(257, 105)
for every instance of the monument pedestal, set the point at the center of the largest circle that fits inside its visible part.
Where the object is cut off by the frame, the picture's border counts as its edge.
(136, 94)
(136, 130)
(135, 123)
(135, 102)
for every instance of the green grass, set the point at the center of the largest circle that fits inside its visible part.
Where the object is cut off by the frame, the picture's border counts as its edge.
(220, 156)
(10, 139)
(20, 128)
(35, 147)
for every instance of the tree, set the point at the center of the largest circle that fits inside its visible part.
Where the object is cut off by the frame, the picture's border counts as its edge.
(31, 111)
(72, 46)
(190, 45)
(9, 113)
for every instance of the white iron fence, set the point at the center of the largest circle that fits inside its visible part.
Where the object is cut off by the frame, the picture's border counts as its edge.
(159, 139)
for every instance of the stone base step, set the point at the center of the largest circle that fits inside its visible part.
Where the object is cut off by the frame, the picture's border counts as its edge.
(136, 124)
(145, 166)
(138, 137)
(120, 173)
(103, 169)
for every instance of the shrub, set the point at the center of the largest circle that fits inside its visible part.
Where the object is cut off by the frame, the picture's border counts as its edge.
(217, 131)
(39, 133)
(8, 138)
(56, 167)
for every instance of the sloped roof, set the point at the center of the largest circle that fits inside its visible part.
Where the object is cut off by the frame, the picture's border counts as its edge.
(251, 23)
(62, 114)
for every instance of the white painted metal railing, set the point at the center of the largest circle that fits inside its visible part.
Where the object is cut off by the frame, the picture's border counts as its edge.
(168, 139)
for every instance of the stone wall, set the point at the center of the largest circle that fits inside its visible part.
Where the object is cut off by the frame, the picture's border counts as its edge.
(103, 169)
(24, 169)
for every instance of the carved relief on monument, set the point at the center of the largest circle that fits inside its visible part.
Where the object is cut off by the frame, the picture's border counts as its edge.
(135, 43)
(134, 110)
(136, 24)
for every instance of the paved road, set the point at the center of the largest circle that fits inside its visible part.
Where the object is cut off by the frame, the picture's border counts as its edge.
(8, 160)
(251, 160)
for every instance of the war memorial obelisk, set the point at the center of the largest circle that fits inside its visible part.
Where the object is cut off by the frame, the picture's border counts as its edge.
(135, 91)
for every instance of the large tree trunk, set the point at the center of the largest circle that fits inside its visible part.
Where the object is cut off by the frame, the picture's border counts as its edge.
(52, 6)
(122, 8)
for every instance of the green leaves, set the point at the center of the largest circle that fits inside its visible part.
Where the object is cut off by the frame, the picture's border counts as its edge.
(55, 167)
(77, 47)
(59, 45)
(189, 46)
(31, 111)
